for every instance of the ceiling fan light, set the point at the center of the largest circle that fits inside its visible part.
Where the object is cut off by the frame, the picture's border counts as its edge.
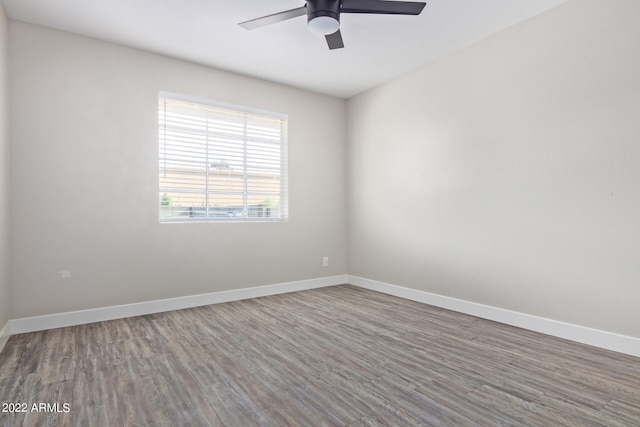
(324, 25)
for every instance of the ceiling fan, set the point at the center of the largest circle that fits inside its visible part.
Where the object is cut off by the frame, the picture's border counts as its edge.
(323, 16)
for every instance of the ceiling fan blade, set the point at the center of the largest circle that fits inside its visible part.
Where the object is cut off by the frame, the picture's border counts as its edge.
(334, 40)
(383, 7)
(252, 24)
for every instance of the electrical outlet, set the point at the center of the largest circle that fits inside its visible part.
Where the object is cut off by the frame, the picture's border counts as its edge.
(325, 261)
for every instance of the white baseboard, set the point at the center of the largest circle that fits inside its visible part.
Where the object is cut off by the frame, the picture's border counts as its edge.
(5, 333)
(60, 320)
(607, 340)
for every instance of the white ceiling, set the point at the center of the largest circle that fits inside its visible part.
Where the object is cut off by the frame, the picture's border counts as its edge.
(377, 47)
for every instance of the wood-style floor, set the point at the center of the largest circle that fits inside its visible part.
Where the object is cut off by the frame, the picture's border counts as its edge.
(339, 356)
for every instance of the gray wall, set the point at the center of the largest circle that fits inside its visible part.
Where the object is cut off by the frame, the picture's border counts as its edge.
(508, 174)
(5, 285)
(84, 180)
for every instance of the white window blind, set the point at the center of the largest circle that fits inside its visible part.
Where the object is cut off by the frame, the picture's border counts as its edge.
(221, 163)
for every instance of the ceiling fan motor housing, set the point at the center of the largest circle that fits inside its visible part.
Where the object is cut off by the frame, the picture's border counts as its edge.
(317, 8)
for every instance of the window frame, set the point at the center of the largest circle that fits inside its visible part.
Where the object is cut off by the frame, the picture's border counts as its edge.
(283, 194)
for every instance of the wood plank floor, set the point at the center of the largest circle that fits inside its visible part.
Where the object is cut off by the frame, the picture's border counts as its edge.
(338, 356)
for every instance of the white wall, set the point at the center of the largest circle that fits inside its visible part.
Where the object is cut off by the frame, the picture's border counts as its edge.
(5, 285)
(84, 180)
(508, 174)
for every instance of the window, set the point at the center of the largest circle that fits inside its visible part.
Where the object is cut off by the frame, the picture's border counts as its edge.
(220, 162)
